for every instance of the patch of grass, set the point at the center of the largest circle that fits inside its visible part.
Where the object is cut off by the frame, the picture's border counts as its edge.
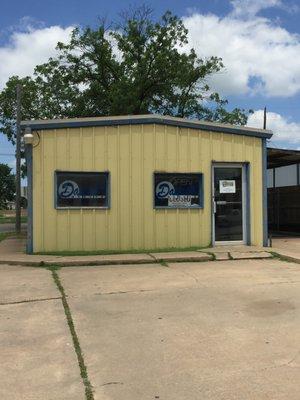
(163, 263)
(83, 370)
(50, 267)
(11, 220)
(283, 258)
(107, 252)
(211, 254)
(5, 235)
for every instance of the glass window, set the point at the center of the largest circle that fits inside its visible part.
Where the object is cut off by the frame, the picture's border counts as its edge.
(178, 190)
(81, 189)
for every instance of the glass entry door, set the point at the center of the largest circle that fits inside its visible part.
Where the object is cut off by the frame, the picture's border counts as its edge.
(228, 203)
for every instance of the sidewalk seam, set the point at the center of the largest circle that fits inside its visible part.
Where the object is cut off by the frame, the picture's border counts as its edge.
(76, 344)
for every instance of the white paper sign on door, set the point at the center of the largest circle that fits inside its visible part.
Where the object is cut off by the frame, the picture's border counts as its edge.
(227, 186)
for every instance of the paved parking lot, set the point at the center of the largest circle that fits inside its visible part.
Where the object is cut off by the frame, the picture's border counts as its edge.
(210, 330)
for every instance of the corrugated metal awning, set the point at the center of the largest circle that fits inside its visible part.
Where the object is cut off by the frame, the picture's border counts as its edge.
(282, 157)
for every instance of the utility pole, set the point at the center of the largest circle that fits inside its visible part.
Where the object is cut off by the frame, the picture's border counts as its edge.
(265, 118)
(18, 160)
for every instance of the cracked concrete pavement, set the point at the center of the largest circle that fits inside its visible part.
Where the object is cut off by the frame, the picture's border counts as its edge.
(37, 355)
(210, 330)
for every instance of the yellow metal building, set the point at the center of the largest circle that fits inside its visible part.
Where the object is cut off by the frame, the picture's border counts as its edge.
(164, 183)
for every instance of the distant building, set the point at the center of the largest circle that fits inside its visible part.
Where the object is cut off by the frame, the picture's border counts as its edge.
(11, 205)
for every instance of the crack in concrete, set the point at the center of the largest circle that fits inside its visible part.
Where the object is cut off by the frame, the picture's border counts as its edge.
(124, 292)
(278, 283)
(89, 394)
(149, 254)
(285, 364)
(202, 285)
(28, 301)
(112, 383)
(294, 358)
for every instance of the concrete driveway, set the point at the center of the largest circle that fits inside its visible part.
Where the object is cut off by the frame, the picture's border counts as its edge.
(211, 330)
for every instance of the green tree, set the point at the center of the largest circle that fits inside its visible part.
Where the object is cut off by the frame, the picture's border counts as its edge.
(136, 67)
(7, 185)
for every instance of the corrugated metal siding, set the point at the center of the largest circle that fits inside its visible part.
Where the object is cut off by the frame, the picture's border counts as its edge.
(131, 154)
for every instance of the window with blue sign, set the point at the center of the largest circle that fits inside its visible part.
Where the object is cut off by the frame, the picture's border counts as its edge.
(178, 190)
(81, 189)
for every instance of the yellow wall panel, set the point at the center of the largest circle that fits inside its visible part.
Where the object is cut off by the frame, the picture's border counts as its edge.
(61, 149)
(75, 234)
(74, 143)
(87, 147)
(88, 228)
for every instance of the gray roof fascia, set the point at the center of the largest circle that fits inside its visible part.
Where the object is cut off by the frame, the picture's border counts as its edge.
(151, 119)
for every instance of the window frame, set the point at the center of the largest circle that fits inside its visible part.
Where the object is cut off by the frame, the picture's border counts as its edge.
(108, 191)
(201, 191)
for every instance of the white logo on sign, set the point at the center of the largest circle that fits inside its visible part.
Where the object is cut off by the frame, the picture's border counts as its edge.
(164, 189)
(68, 190)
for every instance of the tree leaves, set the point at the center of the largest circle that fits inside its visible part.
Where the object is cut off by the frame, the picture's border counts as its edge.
(7, 185)
(140, 66)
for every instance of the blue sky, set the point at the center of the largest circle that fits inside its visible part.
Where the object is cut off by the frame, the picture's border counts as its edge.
(259, 41)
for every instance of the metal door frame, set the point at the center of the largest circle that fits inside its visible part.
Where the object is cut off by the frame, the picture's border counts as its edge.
(245, 201)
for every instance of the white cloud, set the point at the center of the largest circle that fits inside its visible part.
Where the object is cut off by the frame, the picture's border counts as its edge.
(260, 57)
(286, 133)
(252, 7)
(28, 48)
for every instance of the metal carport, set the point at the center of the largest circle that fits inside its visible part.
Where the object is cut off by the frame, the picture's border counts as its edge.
(283, 190)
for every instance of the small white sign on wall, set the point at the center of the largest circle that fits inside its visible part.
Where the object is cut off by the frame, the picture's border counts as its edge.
(227, 186)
